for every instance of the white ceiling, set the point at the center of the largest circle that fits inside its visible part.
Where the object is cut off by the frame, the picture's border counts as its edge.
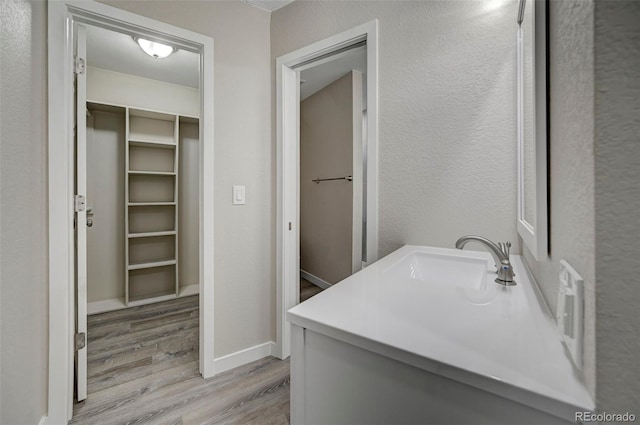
(118, 52)
(328, 71)
(269, 5)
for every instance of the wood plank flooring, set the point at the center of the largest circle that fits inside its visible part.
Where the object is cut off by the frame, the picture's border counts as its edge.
(308, 290)
(143, 369)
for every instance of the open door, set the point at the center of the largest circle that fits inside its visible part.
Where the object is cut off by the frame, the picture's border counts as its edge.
(80, 338)
(357, 227)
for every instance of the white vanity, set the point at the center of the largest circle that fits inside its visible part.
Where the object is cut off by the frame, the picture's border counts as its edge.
(425, 336)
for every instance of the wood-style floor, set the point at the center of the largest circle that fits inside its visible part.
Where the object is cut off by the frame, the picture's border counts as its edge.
(308, 289)
(143, 369)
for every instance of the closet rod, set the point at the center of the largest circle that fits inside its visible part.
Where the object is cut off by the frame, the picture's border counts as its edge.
(349, 178)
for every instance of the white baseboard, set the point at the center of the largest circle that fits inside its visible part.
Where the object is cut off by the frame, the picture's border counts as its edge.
(188, 290)
(103, 306)
(315, 280)
(43, 420)
(242, 357)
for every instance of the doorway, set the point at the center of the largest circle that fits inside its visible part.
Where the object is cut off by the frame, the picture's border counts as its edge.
(332, 164)
(146, 183)
(289, 68)
(136, 189)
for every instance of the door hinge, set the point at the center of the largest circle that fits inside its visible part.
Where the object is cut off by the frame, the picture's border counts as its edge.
(80, 341)
(79, 203)
(80, 65)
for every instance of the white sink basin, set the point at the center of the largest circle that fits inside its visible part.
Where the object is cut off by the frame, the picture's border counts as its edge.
(436, 269)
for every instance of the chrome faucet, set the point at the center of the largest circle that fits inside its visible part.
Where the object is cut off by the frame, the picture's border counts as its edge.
(500, 253)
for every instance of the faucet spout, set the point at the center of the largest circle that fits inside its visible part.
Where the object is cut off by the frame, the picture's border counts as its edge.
(500, 253)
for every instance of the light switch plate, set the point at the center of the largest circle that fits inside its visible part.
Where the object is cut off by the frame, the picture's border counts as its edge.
(239, 195)
(570, 311)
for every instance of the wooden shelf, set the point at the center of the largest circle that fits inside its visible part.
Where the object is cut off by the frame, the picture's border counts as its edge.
(151, 234)
(151, 204)
(152, 173)
(151, 144)
(152, 264)
(150, 299)
(154, 115)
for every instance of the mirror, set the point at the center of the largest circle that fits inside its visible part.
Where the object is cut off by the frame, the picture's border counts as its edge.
(532, 101)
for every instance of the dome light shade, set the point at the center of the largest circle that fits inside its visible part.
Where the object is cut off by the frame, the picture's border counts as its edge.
(154, 49)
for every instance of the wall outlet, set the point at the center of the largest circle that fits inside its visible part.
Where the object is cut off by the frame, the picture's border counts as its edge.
(570, 311)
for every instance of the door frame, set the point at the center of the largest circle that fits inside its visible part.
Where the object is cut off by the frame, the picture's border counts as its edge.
(288, 164)
(61, 17)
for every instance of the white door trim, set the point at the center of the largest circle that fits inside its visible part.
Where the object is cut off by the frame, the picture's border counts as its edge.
(61, 16)
(287, 155)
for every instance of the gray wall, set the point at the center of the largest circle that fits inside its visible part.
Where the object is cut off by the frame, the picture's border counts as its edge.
(326, 151)
(105, 194)
(571, 170)
(23, 217)
(189, 205)
(244, 235)
(446, 116)
(617, 202)
(595, 185)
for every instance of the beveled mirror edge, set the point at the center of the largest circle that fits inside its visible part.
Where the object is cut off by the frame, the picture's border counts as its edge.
(535, 236)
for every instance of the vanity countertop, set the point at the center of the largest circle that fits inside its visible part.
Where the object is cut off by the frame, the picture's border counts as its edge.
(500, 339)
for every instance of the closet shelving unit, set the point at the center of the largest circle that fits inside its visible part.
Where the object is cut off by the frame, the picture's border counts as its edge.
(151, 212)
(151, 207)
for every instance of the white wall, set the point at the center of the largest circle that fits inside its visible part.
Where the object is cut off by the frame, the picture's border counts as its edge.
(617, 201)
(447, 112)
(244, 235)
(117, 88)
(23, 217)
(571, 171)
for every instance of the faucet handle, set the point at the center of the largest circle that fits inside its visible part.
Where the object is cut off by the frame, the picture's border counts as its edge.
(505, 247)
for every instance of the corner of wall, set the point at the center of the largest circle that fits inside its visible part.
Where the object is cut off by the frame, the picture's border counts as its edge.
(617, 202)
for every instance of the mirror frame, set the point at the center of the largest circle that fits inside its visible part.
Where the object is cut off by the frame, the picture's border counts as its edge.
(535, 235)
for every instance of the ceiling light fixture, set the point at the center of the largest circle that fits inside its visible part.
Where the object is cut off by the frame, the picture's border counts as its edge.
(154, 49)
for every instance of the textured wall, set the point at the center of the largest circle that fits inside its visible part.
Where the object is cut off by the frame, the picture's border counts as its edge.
(571, 171)
(244, 237)
(447, 111)
(23, 217)
(617, 201)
